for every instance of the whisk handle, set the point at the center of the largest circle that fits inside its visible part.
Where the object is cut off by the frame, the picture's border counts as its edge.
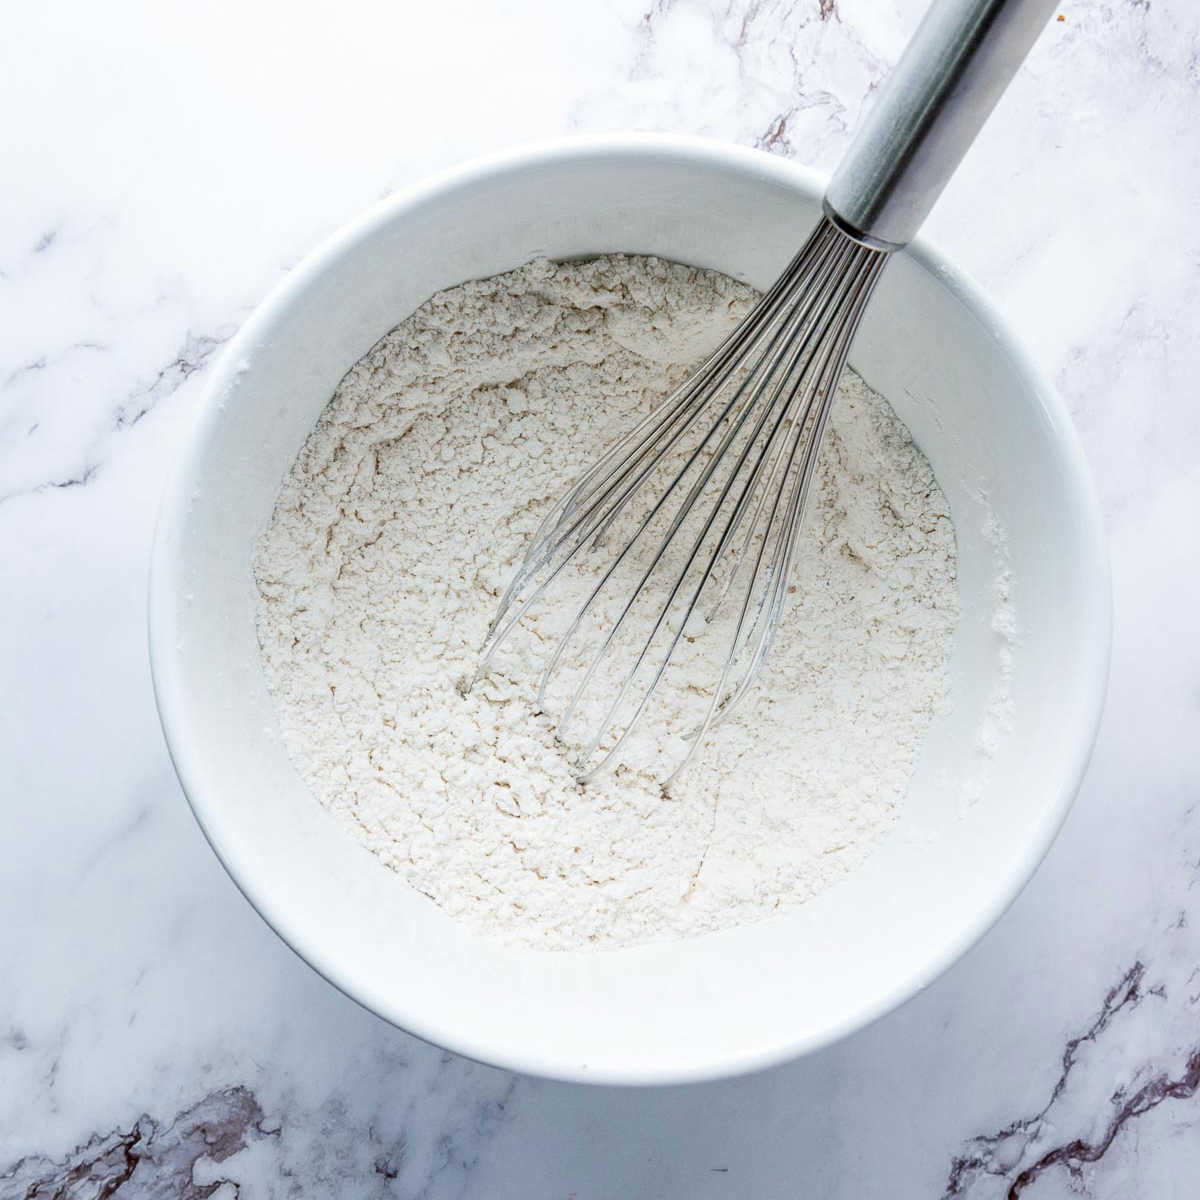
(961, 58)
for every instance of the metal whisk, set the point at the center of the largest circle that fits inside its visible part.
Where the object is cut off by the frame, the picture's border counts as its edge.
(687, 528)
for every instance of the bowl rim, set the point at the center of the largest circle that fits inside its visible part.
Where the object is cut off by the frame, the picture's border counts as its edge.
(173, 506)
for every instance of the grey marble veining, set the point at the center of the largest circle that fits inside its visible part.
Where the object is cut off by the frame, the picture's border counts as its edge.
(163, 168)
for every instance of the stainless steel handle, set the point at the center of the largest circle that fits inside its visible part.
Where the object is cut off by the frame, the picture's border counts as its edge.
(960, 60)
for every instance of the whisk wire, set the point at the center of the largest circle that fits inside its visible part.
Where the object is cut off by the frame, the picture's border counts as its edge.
(791, 386)
(779, 392)
(747, 426)
(752, 386)
(667, 425)
(779, 567)
(541, 545)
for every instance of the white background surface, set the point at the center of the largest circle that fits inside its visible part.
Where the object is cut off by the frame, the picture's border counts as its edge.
(162, 167)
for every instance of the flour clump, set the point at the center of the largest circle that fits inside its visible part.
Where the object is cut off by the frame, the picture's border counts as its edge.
(404, 516)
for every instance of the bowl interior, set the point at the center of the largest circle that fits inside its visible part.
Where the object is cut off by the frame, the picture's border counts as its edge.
(999, 443)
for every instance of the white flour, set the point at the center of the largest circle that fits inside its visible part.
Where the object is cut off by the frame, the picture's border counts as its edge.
(403, 518)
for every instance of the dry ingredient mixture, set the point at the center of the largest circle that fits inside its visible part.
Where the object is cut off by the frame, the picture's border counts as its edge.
(402, 520)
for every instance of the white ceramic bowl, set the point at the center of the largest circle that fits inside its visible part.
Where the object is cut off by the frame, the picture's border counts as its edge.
(714, 1005)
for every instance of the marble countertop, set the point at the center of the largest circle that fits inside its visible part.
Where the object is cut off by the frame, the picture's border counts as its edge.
(163, 166)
